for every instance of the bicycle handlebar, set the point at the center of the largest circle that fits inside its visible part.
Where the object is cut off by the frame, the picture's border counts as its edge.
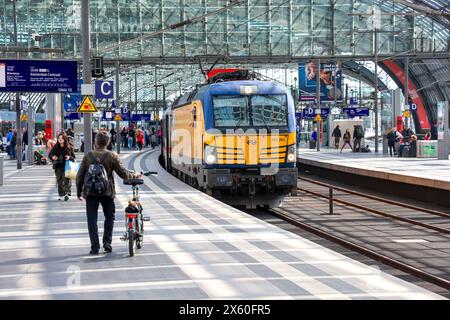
(145, 173)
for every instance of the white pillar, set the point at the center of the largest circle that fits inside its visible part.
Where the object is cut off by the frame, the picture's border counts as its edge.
(53, 112)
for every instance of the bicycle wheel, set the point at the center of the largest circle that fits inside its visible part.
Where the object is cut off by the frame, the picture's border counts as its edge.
(131, 242)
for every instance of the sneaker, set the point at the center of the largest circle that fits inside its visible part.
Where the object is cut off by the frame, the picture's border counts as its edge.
(93, 252)
(107, 247)
(66, 197)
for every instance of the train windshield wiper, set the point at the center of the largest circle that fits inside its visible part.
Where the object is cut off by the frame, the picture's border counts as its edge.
(239, 121)
(264, 121)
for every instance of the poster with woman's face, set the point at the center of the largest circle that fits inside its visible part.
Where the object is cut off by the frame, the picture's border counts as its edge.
(330, 85)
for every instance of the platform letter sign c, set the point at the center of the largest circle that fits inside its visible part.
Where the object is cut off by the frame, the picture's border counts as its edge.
(104, 89)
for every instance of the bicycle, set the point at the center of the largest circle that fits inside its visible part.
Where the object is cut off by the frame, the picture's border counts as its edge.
(134, 219)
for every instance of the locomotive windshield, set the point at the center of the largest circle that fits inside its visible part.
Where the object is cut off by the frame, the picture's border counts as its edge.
(269, 110)
(231, 111)
(250, 111)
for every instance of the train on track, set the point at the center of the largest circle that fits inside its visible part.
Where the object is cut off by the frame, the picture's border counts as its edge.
(234, 138)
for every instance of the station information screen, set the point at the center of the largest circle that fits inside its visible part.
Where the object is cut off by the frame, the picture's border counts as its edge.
(50, 76)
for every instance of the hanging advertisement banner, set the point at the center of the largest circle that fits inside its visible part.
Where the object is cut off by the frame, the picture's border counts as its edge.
(330, 75)
(441, 119)
(442, 129)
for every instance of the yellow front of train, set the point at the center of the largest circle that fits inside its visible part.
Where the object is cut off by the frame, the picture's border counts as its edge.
(248, 146)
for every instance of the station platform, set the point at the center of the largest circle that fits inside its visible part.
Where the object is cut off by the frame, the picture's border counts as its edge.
(195, 247)
(424, 172)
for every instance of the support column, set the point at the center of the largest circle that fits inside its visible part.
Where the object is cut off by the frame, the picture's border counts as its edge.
(376, 91)
(318, 102)
(119, 137)
(19, 143)
(405, 88)
(30, 134)
(53, 103)
(86, 43)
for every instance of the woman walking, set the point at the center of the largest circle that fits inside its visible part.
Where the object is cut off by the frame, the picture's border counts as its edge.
(61, 152)
(346, 139)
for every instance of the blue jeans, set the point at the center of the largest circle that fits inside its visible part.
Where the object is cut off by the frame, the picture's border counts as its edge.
(130, 143)
(12, 151)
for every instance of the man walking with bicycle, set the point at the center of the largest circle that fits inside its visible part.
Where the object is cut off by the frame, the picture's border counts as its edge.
(95, 184)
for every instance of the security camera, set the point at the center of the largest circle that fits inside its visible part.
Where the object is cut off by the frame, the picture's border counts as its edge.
(37, 39)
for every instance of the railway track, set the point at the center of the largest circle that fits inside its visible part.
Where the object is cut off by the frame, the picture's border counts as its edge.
(412, 216)
(426, 219)
(442, 282)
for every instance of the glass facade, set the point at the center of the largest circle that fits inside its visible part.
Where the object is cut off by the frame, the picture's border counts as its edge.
(294, 28)
(256, 30)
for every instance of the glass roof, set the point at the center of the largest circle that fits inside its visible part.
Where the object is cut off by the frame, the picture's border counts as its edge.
(254, 30)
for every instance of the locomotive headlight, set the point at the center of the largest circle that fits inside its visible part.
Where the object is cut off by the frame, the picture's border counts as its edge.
(246, 90)
(210, 154)
(291, 154)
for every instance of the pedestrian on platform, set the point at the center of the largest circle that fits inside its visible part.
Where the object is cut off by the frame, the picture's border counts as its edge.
(358, 134)
(312, 144)
(124, 135)
(111, 163)
(159, 134)
(413, 146)
(12, 145)
(61, 152)
(347, 138)
(113, 135)
(407, 134)
(391, 138)
(140, 138)
(131, 134)
(39, 140)
(337, 136)
(2, 148)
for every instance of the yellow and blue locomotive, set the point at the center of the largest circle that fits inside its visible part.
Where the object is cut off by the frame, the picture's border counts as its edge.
(234, 140)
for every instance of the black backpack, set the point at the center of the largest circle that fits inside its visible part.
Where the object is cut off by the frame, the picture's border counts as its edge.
(359, 132)
(96, 181)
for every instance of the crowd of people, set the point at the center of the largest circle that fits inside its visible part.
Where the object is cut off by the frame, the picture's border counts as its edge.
(358, 135)
(8, 144)
(403, 144)
(137, 138)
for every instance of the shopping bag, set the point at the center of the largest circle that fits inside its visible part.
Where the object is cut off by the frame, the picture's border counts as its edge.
(71, 169)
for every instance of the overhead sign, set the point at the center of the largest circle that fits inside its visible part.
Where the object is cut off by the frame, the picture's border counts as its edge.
(353, 101)
(406, 113)
(310, 113)
(356, 112)
(330, 77)
(38, 76)
(108, 115)
(72, 100)
(24, 117)
(141, 117)
(87, 106)
(118, 117)
(104, 89)
(412, 107)
(73, 116)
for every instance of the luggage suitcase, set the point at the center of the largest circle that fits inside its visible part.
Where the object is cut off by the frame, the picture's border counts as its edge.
(405, 152)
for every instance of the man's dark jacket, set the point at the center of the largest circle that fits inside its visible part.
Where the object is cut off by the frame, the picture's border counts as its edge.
(110, 163)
